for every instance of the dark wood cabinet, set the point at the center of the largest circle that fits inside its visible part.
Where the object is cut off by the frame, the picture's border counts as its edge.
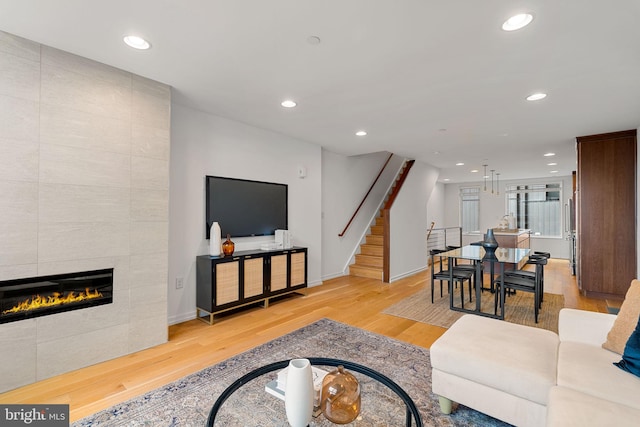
(247, 277)
(606, 213)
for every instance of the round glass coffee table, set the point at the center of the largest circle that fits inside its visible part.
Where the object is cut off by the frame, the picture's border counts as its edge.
(384, 403)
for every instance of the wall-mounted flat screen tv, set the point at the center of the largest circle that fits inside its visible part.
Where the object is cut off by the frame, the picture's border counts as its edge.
(245, 208)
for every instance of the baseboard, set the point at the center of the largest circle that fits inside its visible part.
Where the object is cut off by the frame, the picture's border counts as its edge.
(407, 274)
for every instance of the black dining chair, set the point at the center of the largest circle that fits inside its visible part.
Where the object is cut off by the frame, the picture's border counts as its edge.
(522, 283)
(443, 274)
(531, 274)
(470, 267)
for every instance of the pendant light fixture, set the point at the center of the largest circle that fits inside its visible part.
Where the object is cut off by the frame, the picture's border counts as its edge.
(484, 176)
(492, 172)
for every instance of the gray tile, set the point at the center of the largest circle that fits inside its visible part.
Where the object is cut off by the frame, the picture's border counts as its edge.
(19, 202)
(147, 86)
(83, 203)
(150, 271)
(75, 240)
(19, 160)
(69, 165)
(19, 119)
(19, 47)
(90, 348)
(68, 89)
(149, 237)
(149, 205)
(149, 110)
(150, 174)
(20, 271)
(76, 128)
(17, 354)
(19, 243)
(88, 68)
(147, 333)
(19, 77)
(150, 142)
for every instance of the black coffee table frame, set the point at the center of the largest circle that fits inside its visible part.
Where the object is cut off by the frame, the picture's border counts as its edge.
(412, 410)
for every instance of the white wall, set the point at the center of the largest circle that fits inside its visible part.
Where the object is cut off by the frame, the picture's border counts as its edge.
(410, 221)
(345, 181)
(492, 209)
(209, 145)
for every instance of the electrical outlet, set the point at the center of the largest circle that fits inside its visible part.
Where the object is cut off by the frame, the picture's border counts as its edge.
(179, 283)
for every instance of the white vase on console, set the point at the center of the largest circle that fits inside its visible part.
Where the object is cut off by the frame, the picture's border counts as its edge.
(215, 240)
(299, 393)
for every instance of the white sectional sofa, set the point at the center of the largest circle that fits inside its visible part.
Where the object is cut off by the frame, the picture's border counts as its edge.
(532, 377)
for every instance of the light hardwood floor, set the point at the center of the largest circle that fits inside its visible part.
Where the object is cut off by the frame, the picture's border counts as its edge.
(194, 345)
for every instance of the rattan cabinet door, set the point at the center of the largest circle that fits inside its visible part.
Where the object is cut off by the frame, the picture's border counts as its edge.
(298, 276)
(227, 282)
(253, 277)
(278, 272)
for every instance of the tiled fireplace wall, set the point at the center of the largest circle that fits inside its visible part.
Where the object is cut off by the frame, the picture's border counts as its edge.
(84, 185)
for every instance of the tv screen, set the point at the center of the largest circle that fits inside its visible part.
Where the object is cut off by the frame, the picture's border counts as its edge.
(245, 208)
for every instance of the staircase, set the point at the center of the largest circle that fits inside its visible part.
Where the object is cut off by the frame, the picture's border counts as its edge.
(370, 261)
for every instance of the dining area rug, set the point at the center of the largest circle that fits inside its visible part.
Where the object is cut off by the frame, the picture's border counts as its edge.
(187, 402)
(519, 308)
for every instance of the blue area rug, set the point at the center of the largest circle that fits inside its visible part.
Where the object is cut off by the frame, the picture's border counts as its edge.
(187, 402)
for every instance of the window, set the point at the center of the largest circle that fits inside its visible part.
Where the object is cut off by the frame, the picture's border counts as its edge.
(470, 209)
(536, 207)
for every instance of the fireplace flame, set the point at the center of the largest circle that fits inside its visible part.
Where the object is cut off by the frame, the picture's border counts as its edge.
(56, 298)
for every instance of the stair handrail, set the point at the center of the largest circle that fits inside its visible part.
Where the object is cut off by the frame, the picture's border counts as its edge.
(365, 196)
(386, 221)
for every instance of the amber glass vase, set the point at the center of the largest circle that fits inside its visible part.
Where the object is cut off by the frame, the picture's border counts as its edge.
(228, 246)
(340, 399)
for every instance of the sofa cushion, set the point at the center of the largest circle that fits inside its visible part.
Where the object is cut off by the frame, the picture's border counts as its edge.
(590, 370)
(569, 408)
(631, 357)
(515, 359)
(626, 321)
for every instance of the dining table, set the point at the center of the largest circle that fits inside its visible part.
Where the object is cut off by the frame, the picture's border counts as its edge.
(496, 260)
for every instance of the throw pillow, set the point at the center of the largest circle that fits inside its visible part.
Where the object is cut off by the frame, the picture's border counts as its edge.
(631, 357)
(626, 320)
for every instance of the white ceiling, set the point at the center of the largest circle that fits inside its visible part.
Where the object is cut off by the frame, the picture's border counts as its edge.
(433, 80)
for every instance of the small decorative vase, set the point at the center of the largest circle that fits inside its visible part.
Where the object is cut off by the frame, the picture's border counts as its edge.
(340, 399)
(298, 395)
(214, 239)
(228, 246)
(490, 243)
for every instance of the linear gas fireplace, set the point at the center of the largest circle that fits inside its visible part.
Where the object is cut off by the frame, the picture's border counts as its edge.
(40, 296)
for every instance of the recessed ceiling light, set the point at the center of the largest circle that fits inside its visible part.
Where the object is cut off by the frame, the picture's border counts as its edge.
(446, 179)
(553, 171)
(536, 96)
(288, 103)
(361, 133)
(517, 21)
(552, 164)
(549, 154)
(313, 40)
(474, 171)
(137, 42)
(459, 164)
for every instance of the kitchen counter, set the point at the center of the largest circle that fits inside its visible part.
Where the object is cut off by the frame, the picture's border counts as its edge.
(513, 238)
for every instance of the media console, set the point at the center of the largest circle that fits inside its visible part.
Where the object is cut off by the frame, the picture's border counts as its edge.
(247, 277)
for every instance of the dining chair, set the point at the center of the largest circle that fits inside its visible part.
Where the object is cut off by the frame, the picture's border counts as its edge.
(442, 273)
(531, 274)
(522, 283)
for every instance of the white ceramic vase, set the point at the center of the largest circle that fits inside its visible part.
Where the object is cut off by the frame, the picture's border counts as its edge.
(215, 239)
(298, 395)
